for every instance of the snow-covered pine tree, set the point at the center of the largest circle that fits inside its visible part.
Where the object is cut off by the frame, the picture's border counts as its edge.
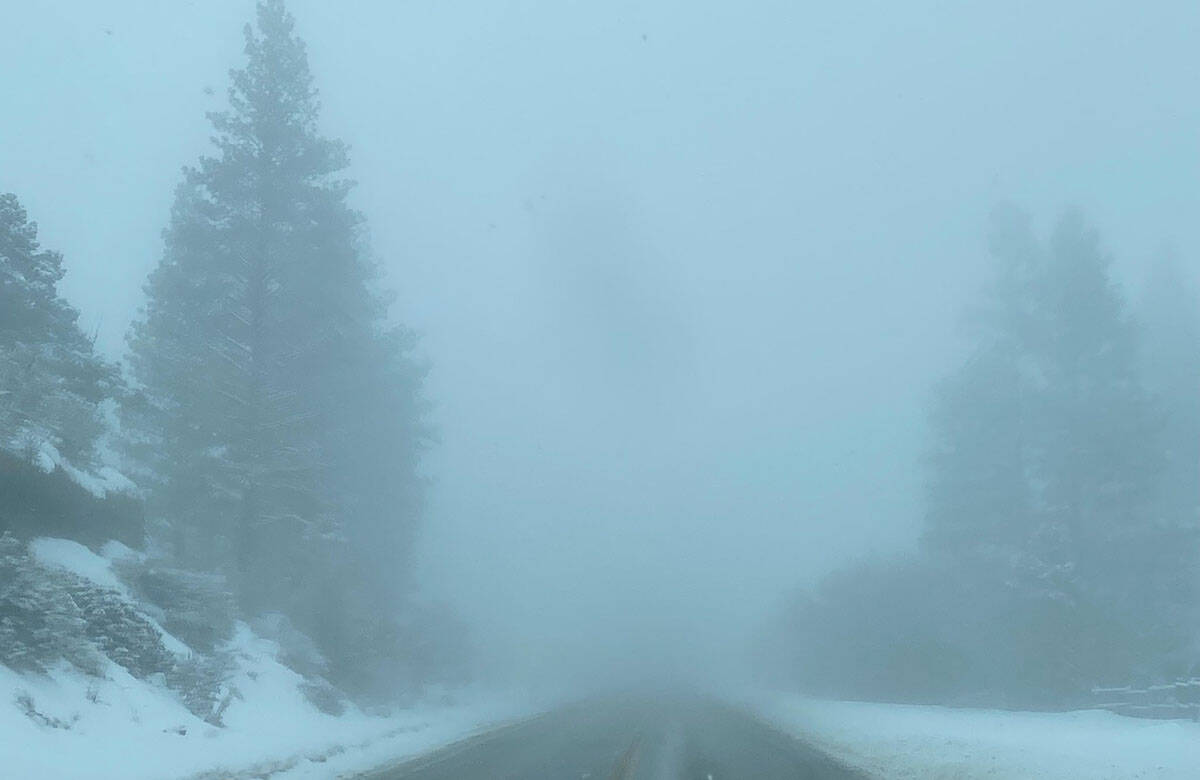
(979, 500)
(51, 380)
(281, 418)
(1044, 461)
(1101, 459)
(984, 525)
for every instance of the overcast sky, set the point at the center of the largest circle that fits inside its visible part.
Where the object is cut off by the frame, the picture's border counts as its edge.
(685, 271)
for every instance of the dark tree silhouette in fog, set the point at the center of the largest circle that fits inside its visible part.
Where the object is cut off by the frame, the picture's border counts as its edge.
(283, 418)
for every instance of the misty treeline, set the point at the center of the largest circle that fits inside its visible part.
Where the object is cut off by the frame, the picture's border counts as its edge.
(1060, 548)
(270, 416)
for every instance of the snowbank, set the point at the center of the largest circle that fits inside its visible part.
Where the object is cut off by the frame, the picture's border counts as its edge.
(74, 557)
(69, 724)
(97, 569)
(903, 741)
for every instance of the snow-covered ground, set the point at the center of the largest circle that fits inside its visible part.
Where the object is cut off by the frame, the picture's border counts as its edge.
(69, 724)
(931, 743)
(74, 726)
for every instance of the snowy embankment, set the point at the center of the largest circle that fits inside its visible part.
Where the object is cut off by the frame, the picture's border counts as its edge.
(73, 726)
(69, 724)
(909, 741)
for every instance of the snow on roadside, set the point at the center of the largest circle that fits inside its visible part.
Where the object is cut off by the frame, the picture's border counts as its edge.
(927, 742)
(71, 726)
(67, 724)
(436, 729)
(74, 557)
(77, 559)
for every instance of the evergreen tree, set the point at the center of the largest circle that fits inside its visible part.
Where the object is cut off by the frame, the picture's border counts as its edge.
(979, 499)
(1100, 462)
(51, 381)
(1044, 462)
(281, 421)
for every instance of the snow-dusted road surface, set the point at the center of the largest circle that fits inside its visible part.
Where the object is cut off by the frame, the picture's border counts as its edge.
(660, 738)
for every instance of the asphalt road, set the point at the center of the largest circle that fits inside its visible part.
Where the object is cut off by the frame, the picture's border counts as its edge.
(627, 739)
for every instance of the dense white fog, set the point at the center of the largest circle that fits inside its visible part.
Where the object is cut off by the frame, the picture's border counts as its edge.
(686, 276)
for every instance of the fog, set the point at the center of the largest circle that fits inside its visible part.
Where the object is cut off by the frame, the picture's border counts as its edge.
(685, 274)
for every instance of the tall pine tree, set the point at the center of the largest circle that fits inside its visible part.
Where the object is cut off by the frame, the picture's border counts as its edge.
(1045, 460)
(979, 498)
(51, 381)
(282, 418)
(1100, 437)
